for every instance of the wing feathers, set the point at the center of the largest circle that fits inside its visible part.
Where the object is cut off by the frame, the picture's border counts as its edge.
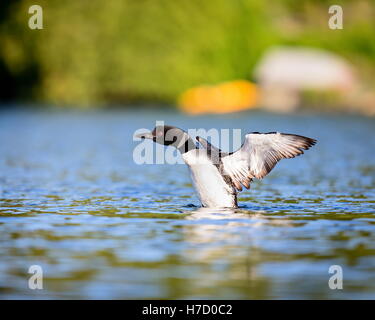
(260, 153)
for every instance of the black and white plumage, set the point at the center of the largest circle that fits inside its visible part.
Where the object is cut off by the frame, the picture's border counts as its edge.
(219, 176)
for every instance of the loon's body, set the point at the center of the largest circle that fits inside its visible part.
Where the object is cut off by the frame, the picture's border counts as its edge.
(219, 176)
(212, 189)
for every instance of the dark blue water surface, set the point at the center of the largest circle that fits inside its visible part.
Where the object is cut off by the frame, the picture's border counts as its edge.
(73, 201)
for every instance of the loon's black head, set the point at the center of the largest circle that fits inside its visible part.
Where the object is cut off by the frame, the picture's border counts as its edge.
(170, 136)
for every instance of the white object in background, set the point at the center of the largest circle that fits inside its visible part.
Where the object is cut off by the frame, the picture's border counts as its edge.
(285, 71)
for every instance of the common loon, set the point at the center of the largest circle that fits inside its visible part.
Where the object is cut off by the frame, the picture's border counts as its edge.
(219, 176)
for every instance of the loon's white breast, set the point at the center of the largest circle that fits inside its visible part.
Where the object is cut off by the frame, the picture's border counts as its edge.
(211, 187)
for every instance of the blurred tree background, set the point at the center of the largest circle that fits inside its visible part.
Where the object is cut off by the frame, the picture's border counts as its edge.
(94, 52)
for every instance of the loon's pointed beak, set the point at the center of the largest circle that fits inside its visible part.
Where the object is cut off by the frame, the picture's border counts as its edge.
(145, 135)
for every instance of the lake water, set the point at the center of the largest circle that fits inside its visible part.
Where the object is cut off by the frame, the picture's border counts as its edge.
(73, 201)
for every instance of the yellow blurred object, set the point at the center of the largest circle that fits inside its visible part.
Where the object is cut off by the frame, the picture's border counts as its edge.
(223, 98)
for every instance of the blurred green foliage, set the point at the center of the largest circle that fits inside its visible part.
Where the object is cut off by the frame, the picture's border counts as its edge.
(93, 52)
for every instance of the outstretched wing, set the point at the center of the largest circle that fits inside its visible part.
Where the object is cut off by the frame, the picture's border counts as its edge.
(259, 154)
